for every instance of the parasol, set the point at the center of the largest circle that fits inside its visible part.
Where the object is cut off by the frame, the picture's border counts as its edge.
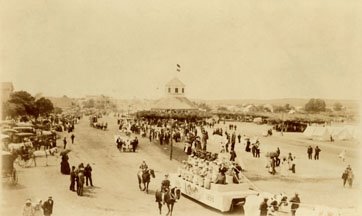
(65, 151)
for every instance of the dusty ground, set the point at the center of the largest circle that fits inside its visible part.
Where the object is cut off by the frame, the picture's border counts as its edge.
(116, 188)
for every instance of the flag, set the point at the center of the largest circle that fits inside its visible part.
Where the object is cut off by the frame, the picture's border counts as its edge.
(178, 68)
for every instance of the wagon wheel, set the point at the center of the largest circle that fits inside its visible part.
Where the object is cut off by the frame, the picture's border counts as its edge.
(24, 163)
(14, 177)
(20, 162)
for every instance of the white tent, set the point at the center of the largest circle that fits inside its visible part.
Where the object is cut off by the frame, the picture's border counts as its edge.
(325, 133)
(308, 132)
(353, 130)
(341, 133)
(321, 134)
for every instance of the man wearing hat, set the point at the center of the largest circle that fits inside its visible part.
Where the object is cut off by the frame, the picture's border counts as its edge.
(264, 207)
(295, 204)
(143, 167)
(165, 186)
(48, 206)
(28, 209)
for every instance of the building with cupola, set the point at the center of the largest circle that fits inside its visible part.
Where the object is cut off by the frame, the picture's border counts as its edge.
(174, 99)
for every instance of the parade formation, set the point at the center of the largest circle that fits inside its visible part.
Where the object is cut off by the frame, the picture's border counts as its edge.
(173, 108)
(228, 166)
(210, 174)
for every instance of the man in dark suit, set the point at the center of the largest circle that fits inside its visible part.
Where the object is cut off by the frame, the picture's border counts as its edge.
(264, 207)
(65, 142)
(48, 206)
(316, 153)
(295, 204)
(135, 144)
(310, 152)
(72, 179)
(88, 175)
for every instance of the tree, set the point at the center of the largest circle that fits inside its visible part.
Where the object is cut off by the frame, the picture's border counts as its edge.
(315, 106)
(12, 109)
(44, 106)
(24, 103)
(57, 110)
(89, 103)
(288, 107)
(337, 106)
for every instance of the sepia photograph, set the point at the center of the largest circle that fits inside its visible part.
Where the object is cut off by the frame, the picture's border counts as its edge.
(180, 107)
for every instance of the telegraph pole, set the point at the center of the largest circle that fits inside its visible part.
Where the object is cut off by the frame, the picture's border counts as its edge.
(171, 145)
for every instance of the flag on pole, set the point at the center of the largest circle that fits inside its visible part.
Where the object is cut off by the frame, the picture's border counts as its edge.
(178, 69)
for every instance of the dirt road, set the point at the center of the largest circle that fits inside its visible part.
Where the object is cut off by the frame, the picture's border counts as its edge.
(115, 190)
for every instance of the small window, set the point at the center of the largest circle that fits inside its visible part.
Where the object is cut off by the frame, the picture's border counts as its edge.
(183, 90)
(176, 90)
(169, 90)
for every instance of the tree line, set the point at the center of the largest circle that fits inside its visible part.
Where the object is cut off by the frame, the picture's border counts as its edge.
(21, 103)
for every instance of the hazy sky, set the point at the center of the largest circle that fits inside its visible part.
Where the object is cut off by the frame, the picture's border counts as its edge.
(227, 49)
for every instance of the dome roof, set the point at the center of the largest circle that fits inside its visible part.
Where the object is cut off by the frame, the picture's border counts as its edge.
(175, 82)
(174, 103)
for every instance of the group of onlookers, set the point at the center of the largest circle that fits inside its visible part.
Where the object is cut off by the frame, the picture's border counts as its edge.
(317, 150)
(77, 176)
(39, 208)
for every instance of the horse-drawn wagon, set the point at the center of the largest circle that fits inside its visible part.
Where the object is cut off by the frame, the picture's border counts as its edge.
(8, 170)
(126, 143)
(219, 196)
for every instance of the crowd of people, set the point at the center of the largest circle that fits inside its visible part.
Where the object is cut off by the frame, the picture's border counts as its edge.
(77, 176)
(127, 144)
(203, 172)
(39, 208)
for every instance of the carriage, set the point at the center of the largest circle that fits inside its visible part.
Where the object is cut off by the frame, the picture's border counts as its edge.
(125, 143)
(221, 197)
(8, 170)
(25, 160)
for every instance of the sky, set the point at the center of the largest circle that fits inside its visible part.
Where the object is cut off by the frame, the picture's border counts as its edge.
(227, 49)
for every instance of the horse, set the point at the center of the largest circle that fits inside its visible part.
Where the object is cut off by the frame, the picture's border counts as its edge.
(145, 178)
(80, 182)
(44, 153)
(17, 146)
(170, 198)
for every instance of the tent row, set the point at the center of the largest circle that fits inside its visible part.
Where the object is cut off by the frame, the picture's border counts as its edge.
(328, 133)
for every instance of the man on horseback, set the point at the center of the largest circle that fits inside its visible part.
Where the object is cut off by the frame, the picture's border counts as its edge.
(165, 187)
(143, 166)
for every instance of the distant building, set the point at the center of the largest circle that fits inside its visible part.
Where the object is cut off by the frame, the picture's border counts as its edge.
(174, 98)
(6, 89)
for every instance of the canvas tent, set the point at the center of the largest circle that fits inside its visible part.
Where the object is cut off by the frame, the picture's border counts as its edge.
(324, 133)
